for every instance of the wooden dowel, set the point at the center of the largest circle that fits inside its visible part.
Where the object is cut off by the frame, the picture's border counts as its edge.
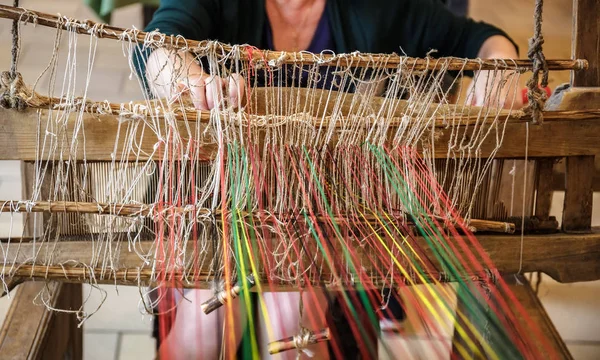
(299, 341)
(467, 115)
(222, 297)
(356, 60)
(534, 224)
(80, 207)
(10, 285)
(201, 279)
(166, 211)
(491, 226)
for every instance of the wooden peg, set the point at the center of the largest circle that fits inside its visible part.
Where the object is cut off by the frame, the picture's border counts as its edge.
(221, 297)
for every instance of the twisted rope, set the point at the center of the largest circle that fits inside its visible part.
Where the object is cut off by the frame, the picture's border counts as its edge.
(11, 81)
(535, 95)
(15, 44)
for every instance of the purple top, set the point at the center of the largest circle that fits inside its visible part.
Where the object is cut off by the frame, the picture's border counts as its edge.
(322, 40)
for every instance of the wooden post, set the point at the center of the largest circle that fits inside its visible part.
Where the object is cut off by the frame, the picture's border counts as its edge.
(577, 209)
(30, 331)
(525, 295)
(544, 191)
(579, 173)
(586, 32)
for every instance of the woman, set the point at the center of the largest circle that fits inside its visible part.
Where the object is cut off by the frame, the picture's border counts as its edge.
(414, 27)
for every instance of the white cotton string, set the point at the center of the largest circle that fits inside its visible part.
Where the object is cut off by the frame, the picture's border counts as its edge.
(525, 177)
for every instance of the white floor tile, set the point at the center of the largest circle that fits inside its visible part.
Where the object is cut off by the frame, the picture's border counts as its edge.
(99, 346)
(10, 189)
(137, 347)
(4, 305)
(573, 308)
(584, 352)
(119, 311)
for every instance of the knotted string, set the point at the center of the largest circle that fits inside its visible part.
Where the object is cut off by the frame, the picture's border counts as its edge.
(535, 95)
(303, 339)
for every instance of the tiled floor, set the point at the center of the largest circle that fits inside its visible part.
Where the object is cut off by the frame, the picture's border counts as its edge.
(118, 330)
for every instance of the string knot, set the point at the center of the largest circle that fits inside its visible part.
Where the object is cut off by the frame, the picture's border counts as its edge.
(11, 86)
(302, 340)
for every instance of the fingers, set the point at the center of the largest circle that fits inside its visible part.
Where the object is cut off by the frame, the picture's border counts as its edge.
(214, 91)
(236, 90)
(207, 91)
(197, 87)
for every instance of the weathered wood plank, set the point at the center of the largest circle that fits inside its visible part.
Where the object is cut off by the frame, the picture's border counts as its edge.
(19, 131)
(30, 331)
(577, 209)
(554, 346)
(564, 257)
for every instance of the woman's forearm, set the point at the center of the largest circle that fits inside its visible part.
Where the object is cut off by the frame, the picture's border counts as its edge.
(497, 47)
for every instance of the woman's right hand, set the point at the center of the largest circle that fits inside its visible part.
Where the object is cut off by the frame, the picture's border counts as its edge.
(209, 91)
(172, 75)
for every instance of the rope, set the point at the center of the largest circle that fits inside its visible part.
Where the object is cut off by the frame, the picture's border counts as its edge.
(11, 82)
(535, 95)
(15, 44)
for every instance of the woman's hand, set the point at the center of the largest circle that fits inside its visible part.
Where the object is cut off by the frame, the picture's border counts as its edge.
(173, 75)
(496, 89)
(209, 91)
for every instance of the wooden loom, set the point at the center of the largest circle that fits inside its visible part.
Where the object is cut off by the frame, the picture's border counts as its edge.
(571, 130)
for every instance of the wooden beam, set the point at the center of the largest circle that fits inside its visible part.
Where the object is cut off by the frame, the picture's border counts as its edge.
(586, 42)
(544, 191)
(566, 258)
(30, 331)
(192, 211)
(554, 347)
(577, 209)
(579, 172)
(550, 346)
(19, 131)
(88, 27)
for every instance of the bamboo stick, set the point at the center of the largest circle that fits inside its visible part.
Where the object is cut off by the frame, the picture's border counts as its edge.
(201, 279)
(357, 60)
(223, 296)
(491, 226)
(565, 257)
(154, 210)
(464, 116)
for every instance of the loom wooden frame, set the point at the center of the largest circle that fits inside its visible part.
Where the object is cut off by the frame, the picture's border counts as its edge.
(574, 127)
